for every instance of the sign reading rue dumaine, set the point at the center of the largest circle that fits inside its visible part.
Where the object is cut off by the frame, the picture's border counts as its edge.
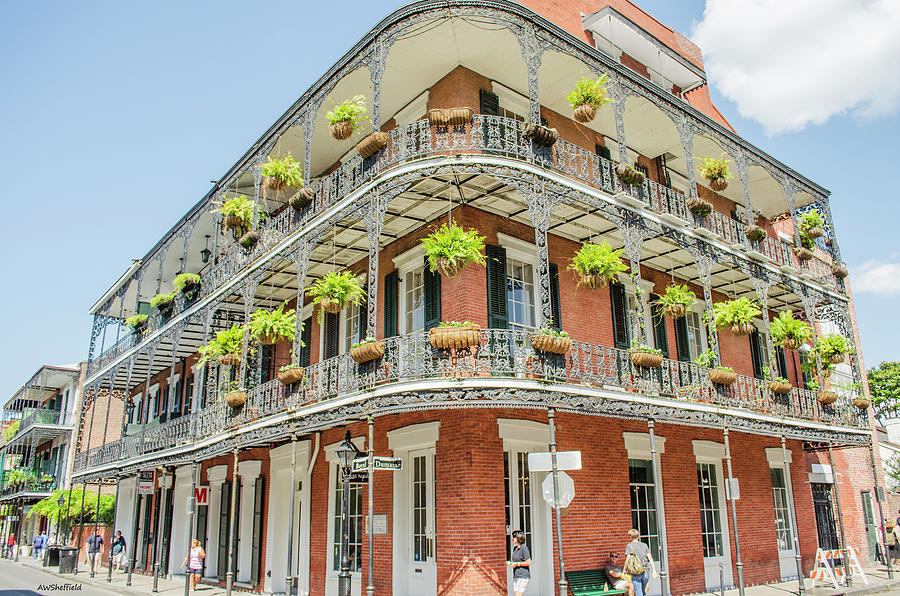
(379, 463)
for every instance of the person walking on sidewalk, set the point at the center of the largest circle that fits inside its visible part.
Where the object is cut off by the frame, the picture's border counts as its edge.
(520, 563)
(95, 551)
(195, 558)
(10, 546)
(642, 552)
(118, 550)
(37, 545)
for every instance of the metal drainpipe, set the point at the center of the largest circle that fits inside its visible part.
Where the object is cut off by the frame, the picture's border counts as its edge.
(660, 514)
(370, 588)
(787, 481)
(837, 500)
(290, 545)
(887, 557)
(229, 574)
(160, 511)
(563, 584)
(734, 521)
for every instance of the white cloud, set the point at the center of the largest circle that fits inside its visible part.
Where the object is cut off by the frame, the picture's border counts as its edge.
(875, 277)
(789, 63)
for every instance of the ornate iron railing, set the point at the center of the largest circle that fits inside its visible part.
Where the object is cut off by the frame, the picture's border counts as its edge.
(499, 354)
(32, 416)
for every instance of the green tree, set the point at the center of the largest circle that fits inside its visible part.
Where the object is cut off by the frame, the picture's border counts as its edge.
(892, 472)
(884, 387)
(70, 512)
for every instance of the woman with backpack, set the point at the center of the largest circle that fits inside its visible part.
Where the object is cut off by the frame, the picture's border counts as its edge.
(638, 563)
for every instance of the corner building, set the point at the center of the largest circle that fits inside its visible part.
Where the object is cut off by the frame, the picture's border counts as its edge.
(464, 421)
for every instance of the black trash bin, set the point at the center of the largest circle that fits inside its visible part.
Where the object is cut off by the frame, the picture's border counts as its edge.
(67, 557)
(51, 556)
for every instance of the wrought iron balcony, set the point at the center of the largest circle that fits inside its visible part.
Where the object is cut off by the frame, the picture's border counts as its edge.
(43, 417)
(503, 354)
(29, 486)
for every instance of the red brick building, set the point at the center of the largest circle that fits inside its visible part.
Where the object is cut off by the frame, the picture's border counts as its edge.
(658, 444)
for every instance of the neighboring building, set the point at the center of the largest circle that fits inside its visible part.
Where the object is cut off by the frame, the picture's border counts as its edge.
(463, 421)
(38, 458)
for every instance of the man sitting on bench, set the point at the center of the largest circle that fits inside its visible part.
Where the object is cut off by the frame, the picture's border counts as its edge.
(614, 574)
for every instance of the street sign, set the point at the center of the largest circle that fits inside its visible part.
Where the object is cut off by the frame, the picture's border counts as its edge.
(379, 463)
(201, 495)
(565, 460)
(358, 477)
(566, 489)
(145, 482)
(732, 489)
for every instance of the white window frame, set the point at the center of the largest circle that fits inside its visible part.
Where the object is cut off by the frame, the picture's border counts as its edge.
(523, 251)
(647, 289)
(343, 322)
(699, 307)
(170, 407)
(405, 263)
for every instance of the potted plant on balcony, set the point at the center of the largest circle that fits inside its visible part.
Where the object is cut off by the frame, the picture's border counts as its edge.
(716, 172)
(645, 356)
(164, 303)
(597, 264)
(699, 207)
(736, 315)
(550, 340)
(826, 397)
(588, 96)
(840, 270)
(833, 348)
(273, 326)
(777, 385)
(450, 116)
(804, 251)
(235, 395)
(367, 350)
(454, 335)
(346, 117)
(450, 248)
(237, 213)
(282, 175)
(629, 174)
(789, 332)
(334, 291)
(137, 322)
(720, 375)
(226, 347)
(290, 374)
(755, 233)
(188, 284)
(676, 300)
(811, 224)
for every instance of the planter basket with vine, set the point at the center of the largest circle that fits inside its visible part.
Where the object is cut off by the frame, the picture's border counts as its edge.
(291, 375)
(789, 343)
(233, 222)
(718, 184)
(302, 199)
(453, 337)
(230, 359)
(367, 352)
(699, 207)
(553, 344)
(447, 267)
(236, 399)
(755, 233)
(249, 239)
(450, 116)
(540, 134)
(779, 387)
(836, 358)
(722, 377)
(646, 359)
(815, 232)
(742, 329)
(372, 144)
(585, 113)
(862, 403)
(342, 130)
(676, 311)
(826, 397)
(331, 305)
(840, 271)
(803, 253)
(587, 96)
(629, 175)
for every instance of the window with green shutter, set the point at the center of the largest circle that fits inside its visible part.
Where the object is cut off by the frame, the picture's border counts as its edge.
(619, 316)
(756, 355)
(660, 337)
(496, 287)
(332, 334)
(682, 342)
(555, 309)
(432, 289)
(306, 338)
(391, 303)
(256, 548)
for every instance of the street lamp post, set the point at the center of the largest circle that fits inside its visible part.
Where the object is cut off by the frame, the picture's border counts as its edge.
(346, 452)
(59, 502)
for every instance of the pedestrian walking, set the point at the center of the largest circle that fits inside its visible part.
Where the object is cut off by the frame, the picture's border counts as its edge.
(10, 546)
(37, 545)
(520, 563)
(638, 563)
(94, 551)
(195, 558)
(119, 547)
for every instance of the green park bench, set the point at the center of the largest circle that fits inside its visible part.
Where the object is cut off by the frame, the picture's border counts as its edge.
(590, 582)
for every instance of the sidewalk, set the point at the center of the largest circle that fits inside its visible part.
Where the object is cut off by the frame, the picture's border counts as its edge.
(140, 584)
(877, 576)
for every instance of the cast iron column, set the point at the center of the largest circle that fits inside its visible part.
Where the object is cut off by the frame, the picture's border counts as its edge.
(837, 500)
(787, 481)
(344, 575)
(134, 530)
(660, 514)
(192, 507)
(229, 574)
(370, 588)
(115, 509)
(290, 546)
(737, 542)
(563, 584)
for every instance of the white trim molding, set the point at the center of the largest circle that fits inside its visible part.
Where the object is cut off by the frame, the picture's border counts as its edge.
(523, 435)
(414, 436)
(708, 450)
(776, 458)
(638, 445)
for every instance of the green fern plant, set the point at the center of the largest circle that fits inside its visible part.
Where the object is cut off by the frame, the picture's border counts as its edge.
(283, 172)
(136, 321)
(352, 110)
(713, 169)
(269, 326)
(185, 282)
(334, 291)
(675, 296)
(450, 248)
(736, 314)
(788, 332)
(162, 300)
(226, 341)
(590, 93)
(597, 264)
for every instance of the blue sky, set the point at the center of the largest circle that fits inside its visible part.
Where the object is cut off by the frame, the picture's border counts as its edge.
(115, 116)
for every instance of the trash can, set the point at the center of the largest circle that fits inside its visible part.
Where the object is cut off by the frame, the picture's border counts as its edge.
(51, 556)
(67, 557)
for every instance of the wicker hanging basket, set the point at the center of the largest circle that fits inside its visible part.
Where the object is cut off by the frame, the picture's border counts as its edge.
(840, 271)
(291, 375)
(342, 130)
(722, 377)
(249, 239)
(230, 359)
(447, 338)
(802, 253)
(676, 311)
(594, 281)
(826, 397)
(302, 199)
(646, 359)
(448, 268)
(367, 352)
(540, 134)
(779, 387)
(585, 113)
(836, 358)
(755, 234)
(233, 222)
(742, 329)
(438, 117)
(718, 184)
(699, 207)
(459, 116)
(789, 343)
(331, 306)
(815, 232)
(372, 144)
(268, 339)
(629, 175)
(236, 399)
(551, 343)
(862, 403)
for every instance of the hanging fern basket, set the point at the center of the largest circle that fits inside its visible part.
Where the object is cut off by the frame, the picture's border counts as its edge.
(342, 130)
(722, 377)
(291, 375)
(551, 343)
(585, 113)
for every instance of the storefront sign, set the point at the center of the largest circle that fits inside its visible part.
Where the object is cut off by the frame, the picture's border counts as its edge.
(145, 482)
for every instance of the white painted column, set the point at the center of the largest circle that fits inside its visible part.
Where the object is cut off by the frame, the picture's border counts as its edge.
(216, 476)
(124, 511)
(249, 472)
(638, 447)
(180, 520)
(278, 495)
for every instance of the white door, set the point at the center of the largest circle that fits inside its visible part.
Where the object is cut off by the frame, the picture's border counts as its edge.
(420, 549)
(783, 532)
(714, 525)
(527, 511)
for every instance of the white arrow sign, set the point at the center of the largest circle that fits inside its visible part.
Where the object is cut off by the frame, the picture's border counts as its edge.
(381, 463)
(566, 489)
(565, 460)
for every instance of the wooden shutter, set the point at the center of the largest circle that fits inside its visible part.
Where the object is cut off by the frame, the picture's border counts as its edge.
(166, 531)
(660, 337)
(391, 303)
(432, 289)
(267, 363)
(236, 547)
(756, 355)
(682, 346)
(781, 362)
(498, 318)
(332, 333)
(306, 338)
(555, 309)
(256, 549)
(490, 103)
(602, 151)
(200, 533)
(619, 316)
(363, 317)
(224, 511)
